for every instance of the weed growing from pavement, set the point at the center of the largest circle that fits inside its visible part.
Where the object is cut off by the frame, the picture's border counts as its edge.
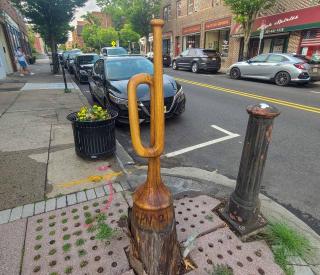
(80, 242)
(98, 225)
(285, 242)
(66, 247)
(68, 270)
(220, 270)
(64, 221)
(82, 253)
(53, 232)
(209, 218)
(66, 237)
(83, 264)
(39, 237)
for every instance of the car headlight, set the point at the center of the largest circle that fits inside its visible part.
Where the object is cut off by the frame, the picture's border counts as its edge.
(118, 100)
(83, 72)
(179, 90)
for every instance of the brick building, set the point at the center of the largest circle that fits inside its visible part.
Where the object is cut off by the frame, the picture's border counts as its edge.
(77, 39)
(13, 33)
(292, 26)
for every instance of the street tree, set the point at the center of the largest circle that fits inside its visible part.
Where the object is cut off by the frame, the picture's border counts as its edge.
(97, 37)
(91, 19)
(246, 11)
(136, 12)
(128, 35)
(51, 19)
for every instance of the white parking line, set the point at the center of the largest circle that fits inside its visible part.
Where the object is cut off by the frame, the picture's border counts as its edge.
(314, 92)
(205, 144)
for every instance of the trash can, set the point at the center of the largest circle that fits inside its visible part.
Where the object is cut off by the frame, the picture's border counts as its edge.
(94, 139)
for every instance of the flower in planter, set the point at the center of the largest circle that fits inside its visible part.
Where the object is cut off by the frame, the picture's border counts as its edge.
(95, 113)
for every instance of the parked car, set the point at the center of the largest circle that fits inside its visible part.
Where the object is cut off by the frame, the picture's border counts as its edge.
(70, 60)
(198, 59)
(109, 81)
(113, 51)
(65, 55)
(82, 66)
(280, 68)
(166, 58)
(314, 63)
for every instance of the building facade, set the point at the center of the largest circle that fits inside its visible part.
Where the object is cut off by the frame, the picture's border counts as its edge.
(290, 26)
(13, 34)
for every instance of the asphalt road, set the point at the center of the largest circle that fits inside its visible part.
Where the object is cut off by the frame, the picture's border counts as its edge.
(292, 173)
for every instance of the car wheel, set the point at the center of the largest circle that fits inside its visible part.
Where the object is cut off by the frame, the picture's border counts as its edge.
(174, 65)
(195, 67)
(282, 78)
(235, 73)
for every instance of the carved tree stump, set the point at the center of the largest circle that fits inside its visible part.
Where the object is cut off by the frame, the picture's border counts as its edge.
(157, 252)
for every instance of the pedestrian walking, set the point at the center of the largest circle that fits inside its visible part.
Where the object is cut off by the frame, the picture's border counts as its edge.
(21, 59)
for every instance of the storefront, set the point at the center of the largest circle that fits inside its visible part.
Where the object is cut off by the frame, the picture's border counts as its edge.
(217, 33)
(278, 31)
(191, 37)
(310, 44)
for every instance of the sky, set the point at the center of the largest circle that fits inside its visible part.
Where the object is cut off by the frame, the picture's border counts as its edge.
(90, 6)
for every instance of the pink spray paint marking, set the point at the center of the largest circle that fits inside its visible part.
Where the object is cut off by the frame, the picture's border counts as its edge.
(104, 167)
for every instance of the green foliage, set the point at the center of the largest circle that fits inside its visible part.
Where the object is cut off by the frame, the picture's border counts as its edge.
(91, 19)
(80, 242)
(221, 270)
(97, 37)
(127, 34)
(246, 11)
(68, 270)
(104, 232)
(94, 113)
(136, 12)
(285, 243)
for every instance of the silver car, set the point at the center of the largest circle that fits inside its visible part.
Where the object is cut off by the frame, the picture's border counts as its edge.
(280, 68)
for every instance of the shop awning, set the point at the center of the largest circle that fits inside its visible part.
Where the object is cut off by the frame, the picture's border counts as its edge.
(302, 19)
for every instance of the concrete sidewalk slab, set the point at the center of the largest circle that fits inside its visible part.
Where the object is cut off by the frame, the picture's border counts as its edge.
(11, 246)
(62, 134)
(46, 86)
(6, 99)
(67, 173)
(22, 178)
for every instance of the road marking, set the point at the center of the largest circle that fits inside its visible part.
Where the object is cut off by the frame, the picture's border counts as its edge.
(255, 96)
(314, 92)
(205, 144)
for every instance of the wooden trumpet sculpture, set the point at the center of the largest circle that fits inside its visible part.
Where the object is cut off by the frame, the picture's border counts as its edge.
(152, 219)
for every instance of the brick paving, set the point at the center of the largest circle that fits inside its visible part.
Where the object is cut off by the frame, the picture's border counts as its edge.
(58, 242)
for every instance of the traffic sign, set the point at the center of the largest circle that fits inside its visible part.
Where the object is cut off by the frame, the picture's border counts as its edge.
(113, 43)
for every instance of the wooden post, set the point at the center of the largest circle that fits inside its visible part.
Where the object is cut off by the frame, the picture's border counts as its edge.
(151, 220)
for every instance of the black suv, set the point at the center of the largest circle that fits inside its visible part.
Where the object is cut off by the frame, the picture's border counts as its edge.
(83, 65)
(197, 60)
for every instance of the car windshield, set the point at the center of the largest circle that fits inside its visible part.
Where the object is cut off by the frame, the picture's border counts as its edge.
(117, 51)
(73, 55)
(126, 68)
(88, 59)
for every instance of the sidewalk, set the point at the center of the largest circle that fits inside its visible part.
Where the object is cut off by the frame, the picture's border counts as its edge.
(50, 198)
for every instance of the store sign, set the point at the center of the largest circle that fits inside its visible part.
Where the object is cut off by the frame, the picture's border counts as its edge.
(191, 29)
(279, 22)
(218, 24)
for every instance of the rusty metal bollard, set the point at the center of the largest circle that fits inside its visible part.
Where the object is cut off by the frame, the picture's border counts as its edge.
(243, 209)
(154, 245)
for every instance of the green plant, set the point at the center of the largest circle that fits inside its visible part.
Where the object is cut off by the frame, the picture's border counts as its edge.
(66, 247)
(104, 232)
(74, 210)
(80, 242)
(221, 270)
(51, 233)
(53, 273)
(83, 264)
(76, 217)
(95, 204)
(285, 242)
(87, 214)
(89, 220)
(68, 270)
(52, 252)
(94, 113)
(39, 237)
(66, 237)
(77, 233)
(64, 221)
(82, 253)
(209, 218)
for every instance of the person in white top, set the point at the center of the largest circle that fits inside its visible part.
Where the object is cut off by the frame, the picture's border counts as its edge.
(21, 59)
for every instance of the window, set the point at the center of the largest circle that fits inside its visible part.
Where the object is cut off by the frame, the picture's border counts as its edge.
(274, 58)
(190, 6)
(259, 58)
(166, 13)
(185, 53)
(192, 52)
(179, 11)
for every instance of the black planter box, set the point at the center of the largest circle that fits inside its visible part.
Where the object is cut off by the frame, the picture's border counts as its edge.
(94, 139)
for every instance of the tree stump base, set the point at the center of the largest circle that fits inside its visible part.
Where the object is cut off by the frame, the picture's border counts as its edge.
(154, 252)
